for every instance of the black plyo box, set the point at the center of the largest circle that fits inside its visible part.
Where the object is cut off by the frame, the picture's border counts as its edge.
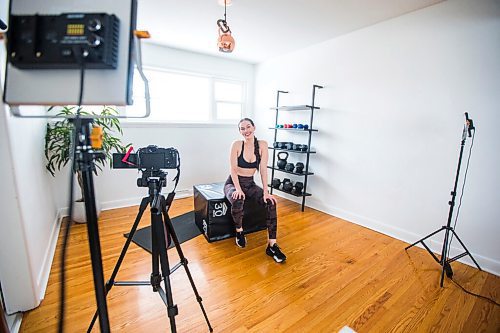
(213, 213)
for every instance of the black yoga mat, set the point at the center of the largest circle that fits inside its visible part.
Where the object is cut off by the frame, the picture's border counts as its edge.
(184, 227)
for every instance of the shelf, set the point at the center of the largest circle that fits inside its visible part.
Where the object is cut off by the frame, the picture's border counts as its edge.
(292, 173)
(280, 125)
(294, 129)
(294, 151)
(295, 195)
(295, 108)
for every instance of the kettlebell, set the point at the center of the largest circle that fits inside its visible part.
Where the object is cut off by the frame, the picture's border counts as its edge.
(288, 186)
(299, 167)
(276, 183)
(282, 161)
(289, 167)
(297, 189)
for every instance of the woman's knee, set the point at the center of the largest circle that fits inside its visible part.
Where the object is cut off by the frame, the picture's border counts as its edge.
(237, 205)
(271, 210)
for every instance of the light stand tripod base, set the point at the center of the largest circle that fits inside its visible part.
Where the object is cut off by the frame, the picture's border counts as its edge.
(443, 262)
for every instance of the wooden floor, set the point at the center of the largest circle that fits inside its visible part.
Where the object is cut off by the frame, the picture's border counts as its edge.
(337, 274)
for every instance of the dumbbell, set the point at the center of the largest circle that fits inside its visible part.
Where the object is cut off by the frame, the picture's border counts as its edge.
(299, 167)
(298, 187)
(287, 185)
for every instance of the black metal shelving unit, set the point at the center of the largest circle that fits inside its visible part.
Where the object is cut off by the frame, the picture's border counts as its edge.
(310, 108)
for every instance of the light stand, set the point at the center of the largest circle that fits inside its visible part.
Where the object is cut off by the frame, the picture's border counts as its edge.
(444, 262)
(84, 157)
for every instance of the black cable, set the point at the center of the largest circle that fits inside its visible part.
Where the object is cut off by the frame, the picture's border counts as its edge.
(76, 124)
(477, 295)
(463, 187)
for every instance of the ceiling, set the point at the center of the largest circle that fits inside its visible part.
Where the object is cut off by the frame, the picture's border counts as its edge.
(263, 29)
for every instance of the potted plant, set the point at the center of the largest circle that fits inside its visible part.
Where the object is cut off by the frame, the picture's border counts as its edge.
(58, 144)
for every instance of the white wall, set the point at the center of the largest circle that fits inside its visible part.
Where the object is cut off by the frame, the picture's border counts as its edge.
(203, 148)
(391, 119)
(29, 225)
(29, 228)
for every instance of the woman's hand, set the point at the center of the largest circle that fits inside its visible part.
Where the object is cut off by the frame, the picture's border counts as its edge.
(268, 197)
(238, 194)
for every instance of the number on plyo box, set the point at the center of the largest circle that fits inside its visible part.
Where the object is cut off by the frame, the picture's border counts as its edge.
(220, 209)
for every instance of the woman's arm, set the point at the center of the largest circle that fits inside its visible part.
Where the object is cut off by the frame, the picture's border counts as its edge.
(263, 170)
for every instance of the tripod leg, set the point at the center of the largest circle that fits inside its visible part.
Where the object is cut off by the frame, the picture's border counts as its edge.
(161, 250)
(95, 249)
(465, 248)
(155, 256)
(421, 240)
(184, 261)
(111, 281)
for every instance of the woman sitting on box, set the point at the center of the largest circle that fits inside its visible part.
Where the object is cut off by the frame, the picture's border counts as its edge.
(246, 158)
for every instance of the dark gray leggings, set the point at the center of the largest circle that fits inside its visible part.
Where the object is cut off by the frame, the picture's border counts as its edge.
(252, 192)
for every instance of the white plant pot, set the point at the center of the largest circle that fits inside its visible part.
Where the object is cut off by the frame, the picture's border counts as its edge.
(79, 215)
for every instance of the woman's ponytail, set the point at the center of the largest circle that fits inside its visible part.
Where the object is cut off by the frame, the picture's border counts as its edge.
(256, 151)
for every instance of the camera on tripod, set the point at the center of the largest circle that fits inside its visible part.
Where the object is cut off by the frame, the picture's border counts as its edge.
(150, 160)
(147, 158)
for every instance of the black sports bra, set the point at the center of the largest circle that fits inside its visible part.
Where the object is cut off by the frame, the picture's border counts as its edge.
(244, 164)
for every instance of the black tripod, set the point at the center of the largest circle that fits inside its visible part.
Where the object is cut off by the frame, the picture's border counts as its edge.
(84, 157)
(160, 229)
(444, 261)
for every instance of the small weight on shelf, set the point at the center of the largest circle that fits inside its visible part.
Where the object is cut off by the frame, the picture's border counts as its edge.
(299, 167)
(282, 161)
(287, 185)
(298, 187)
(289, 167)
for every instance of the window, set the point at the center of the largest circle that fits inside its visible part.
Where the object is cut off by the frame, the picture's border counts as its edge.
(228, 100)
(182, 97)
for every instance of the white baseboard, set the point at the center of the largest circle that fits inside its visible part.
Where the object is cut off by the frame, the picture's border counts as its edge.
(137, 201)
(14, 322)
(43, 276)
(487, 264)
(113, 204)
